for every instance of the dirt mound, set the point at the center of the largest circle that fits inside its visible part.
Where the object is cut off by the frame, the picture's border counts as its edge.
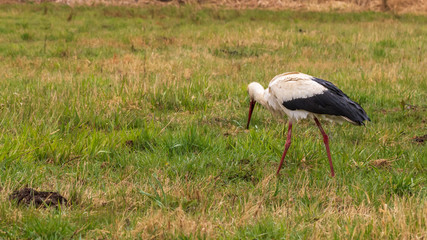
(30, 196)
(420, 139)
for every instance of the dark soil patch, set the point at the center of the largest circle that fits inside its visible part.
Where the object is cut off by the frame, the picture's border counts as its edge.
(130, 143)
(420, 139)
(30, 196)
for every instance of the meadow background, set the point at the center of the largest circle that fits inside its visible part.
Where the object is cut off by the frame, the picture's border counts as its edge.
(394, 6)
(137, 115)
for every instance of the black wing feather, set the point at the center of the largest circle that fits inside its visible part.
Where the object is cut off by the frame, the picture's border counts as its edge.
(331, 102)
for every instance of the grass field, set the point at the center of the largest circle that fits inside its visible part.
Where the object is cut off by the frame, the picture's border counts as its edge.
(137, 116)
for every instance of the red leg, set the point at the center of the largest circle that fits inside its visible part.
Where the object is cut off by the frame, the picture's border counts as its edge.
(326, 141)
(288, 143)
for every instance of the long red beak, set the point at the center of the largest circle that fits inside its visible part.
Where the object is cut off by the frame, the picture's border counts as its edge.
(251, 108)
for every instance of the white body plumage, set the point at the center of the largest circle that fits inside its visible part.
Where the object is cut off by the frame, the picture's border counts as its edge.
(295, 87)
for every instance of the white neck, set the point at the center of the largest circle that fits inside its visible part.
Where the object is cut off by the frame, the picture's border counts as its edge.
(256, 92)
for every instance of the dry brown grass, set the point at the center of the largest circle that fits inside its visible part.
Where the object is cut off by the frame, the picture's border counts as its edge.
(385, 220)
(397, 6)
(381, 163)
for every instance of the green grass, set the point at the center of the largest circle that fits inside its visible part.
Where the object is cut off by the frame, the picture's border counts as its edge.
(137, 115)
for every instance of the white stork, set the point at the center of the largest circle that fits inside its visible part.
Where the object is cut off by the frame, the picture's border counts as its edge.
(301, 96)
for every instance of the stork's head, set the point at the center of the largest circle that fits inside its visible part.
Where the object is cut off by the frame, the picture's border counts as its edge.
(255, 91)
(256, 94)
